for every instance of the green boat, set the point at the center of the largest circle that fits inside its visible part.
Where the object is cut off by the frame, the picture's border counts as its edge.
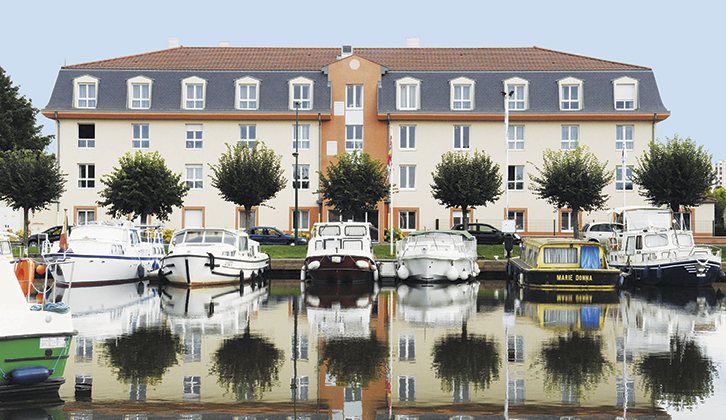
(35, 340)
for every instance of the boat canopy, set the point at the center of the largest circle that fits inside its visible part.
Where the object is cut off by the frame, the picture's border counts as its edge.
(641, 218)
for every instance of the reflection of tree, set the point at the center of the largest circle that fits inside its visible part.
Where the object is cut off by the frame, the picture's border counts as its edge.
(574, 362)
(144, 355)
(354, 361)
(464, 358)
(682, 377)
(247, 363)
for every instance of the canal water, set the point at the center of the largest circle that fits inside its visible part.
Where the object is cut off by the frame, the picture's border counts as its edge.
(289, 350)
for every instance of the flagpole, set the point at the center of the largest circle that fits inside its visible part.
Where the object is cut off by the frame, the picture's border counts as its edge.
(624, 157)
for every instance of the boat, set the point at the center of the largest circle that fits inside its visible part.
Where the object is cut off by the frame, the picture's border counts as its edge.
(35, 339)
(212, 256)
(562, 263)
(437, 255)
(340, 252)
(437, 305)
(107, 253)
(652, 250)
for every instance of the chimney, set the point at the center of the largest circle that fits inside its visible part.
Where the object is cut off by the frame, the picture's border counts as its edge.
(224, 44)
(173, 42)
(413, 42)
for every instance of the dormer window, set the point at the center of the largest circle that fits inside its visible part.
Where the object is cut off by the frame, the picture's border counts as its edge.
(462, 94)
(407, 93)
(517, 90)
(139, 92)
(85, 91)
(247, 93)
(570, 94)
(193, 93)
(625, 92)
(301, 91)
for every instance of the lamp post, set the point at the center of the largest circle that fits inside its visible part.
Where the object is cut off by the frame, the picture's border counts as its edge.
(296, 175)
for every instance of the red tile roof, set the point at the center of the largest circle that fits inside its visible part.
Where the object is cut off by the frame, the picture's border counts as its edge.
(395, 59)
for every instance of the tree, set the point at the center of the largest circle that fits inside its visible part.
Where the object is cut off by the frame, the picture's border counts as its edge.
(466, 359)
(248, 176)
(464, 181)
(572, 179)
(142, 186)
(29, 180)
(18, 129)
(354, 185)
(676, 174)
(354, 361)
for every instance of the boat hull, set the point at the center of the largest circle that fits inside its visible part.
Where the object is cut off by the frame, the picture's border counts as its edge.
(96, 270)
(687, 272)
(562, 279)
(340, 268)
(207, 269)
(427, 269)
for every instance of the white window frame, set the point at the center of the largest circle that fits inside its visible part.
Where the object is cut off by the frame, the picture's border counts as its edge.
(194, 102)
(406, 343)
(304, 176)
(85, 92)
(407, 137)
(139, 136)
(407, 218)
(137, 98)
(197, 143)
(82, 216)
(518, 217)
(519, 100)
(303, 136)
(625, 94)
(303, 218)
(297, 92)
(461, 94)
(405, 88)
(516, 183)
(407, 392)
(245, 102)
(624, 135)
(619, 178)
(89, 142)
(566, 219)
(248, 135)
(194, 176)
(458, 216)
(407, 177)
(353, 138)
(86, 181)
(354, 97)
(462, 134)
(567, 142)
(566, 102)
(515, 137)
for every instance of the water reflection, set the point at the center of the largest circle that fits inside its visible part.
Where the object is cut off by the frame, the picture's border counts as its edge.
(368, 351)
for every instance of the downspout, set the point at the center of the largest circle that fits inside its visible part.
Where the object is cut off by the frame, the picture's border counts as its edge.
(320, 166)
(655, 120)
(57, 162)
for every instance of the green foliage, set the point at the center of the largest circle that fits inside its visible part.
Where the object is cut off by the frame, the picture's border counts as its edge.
(248, 176)
(397, 235)
(681, 377)
(167, 233)
(465, 181)
(354, 361)
(18, 129)
(247, 363)
(572, 179)
(719, 194)
(354, 185)
(29, 180)
(463, 358)
(676, 174)
(143, 356)
(141, 186)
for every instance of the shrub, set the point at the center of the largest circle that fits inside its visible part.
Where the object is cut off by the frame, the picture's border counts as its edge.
(397, 235)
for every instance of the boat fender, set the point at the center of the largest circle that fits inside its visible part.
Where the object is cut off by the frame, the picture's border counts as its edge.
(314, 265)
(29, 375)
(402, 272)
(375, 275)
(140, 288)
(452, 274)
(463, 275)
(302, 274)
(140, 271)
(362, 264)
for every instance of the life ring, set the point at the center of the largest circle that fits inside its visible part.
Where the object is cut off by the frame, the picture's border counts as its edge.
(613, 243)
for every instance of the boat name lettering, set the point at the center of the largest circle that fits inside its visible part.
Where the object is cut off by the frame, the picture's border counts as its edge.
(575, 277)
(574, 298)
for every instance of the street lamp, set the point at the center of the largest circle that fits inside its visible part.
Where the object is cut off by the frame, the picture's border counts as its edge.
(296, 175)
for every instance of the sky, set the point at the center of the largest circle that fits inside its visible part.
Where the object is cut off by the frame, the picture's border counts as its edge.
(682, 41)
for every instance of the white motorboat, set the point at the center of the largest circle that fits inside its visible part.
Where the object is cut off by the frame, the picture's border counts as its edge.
(437, 255)
(340, 252)
(209, 256)
(652, 251)
(442, 304)
(106, 253)
(34, 341)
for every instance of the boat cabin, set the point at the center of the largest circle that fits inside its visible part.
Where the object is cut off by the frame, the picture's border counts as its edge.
(558, 254)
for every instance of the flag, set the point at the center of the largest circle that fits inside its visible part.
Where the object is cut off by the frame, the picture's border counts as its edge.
(389, 166)
(64, 235)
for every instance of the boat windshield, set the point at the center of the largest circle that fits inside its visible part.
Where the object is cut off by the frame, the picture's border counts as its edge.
(329, 231)
(206, 237)
(356, 230)
(98, 232)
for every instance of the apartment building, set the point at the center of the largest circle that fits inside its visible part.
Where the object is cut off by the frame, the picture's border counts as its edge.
(511, 103)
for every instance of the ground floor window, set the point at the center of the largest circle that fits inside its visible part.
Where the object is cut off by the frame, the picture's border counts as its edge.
(518, 217)
(242, 222)
(407, 220)
(566, 223)
(84, 216)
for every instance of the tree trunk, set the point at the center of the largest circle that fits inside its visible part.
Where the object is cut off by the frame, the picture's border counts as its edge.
(25, 227)
(247, 219)
(465, 217)
(576, 222)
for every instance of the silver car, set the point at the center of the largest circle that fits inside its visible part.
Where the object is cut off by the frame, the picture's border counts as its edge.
(603, 232)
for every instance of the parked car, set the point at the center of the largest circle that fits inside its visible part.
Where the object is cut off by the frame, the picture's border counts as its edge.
(266, 235)
(602, 232)
(488, 234)
(51, 234)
